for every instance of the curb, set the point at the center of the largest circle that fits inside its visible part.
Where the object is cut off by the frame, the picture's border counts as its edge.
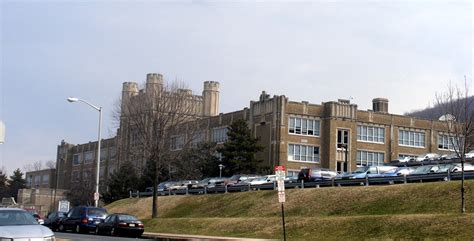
(182, 237)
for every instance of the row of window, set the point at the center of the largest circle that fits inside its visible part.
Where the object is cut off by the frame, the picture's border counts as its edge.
(369, 158)
(88, 174)
(370, 133)
(89, 156)
(446, 142)
(305, 153)
(304, 126)
(411, 138)
(219, 135)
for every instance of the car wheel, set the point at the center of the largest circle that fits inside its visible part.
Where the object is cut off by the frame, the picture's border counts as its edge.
(112, 232)
(61, 228)
(78, 229)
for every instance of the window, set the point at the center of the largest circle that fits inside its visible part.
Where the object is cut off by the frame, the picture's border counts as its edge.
(75, 176)
(303, 126)
(293, 173)
(219, 135)
(411, 138)
(88, 157)
(177, 142)
(446, 142)
(102, 172)
(45, 179)
(198, 137)
(303, 153)
(111, 170)
(406, 156)
(76, 159)
(103, 154)
(37, 181)
(370, 133)
(369, 158)
(113, 152)
(342, 138)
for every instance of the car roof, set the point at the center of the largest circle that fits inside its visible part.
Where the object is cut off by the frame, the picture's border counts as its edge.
(11, 209)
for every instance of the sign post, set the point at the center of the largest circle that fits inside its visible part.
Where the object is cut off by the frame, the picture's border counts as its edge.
(280, 177)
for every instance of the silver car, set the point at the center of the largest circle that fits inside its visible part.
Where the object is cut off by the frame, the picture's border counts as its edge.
(17, 223)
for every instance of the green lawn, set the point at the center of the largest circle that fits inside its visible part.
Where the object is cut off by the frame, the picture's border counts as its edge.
(412, 211)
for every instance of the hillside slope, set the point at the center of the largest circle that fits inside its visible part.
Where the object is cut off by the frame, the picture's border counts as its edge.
(428, 210)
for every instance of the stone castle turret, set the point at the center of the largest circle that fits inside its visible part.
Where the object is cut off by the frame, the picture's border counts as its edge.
(129, 90)
(154, 83)
(210, 95)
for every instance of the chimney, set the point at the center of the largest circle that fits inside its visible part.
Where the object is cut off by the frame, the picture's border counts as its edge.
(380, 105)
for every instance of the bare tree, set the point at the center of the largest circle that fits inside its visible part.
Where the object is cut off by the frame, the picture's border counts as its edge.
(457, 112)
(50, 164)
(158, 121)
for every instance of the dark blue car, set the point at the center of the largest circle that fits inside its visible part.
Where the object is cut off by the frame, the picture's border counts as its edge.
(82, 219)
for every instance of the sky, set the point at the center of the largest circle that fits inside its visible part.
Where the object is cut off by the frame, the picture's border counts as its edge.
(314, 51)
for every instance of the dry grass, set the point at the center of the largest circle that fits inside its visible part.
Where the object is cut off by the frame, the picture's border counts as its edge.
(428, 210)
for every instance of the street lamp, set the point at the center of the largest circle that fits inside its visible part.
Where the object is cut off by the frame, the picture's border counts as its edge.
(96, 194)
(220, 170)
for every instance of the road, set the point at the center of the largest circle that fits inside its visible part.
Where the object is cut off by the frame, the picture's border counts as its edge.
(86, 237)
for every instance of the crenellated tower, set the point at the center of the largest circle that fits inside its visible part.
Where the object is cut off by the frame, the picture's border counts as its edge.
(129, 90)
(154, 83)
(210, 96)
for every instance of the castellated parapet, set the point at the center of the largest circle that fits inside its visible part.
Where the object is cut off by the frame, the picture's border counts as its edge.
(185, 91)
(131, 87)
(210, 95)
(211, 85)
(154, 78)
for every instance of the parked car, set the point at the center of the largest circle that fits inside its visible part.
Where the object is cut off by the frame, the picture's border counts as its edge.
(263, 180)
(425, 169)
(238, 179)
(121, 224)
(182, 185)
(427, 157)
(315, 174)
(457, 167)
(18, 224)
(470, 154)
(209, 182)
(367, 171)
(35, 215)
(53, 219)
(82, 219)
(400, 171)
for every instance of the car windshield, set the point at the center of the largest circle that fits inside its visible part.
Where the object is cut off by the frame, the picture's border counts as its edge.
(127, 218)
(96, 212)
(16, 217)
(422, 170)
(206, 180)
(360, 170)
(61, 215)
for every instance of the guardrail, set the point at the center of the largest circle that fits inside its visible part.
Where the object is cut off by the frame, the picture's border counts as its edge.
(367, 181)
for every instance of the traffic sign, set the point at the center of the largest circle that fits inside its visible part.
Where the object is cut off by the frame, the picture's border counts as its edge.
(280, 173)
(279, 168)
(281, 185)
(63, 206)
(96, 196)
(281, 197)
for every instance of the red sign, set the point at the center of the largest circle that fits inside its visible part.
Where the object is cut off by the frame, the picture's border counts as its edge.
(279, 168)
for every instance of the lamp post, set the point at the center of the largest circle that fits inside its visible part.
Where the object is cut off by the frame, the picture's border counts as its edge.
(96, 194)
(220, 170)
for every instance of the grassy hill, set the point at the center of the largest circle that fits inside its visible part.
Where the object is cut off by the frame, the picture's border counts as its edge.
(412, 211)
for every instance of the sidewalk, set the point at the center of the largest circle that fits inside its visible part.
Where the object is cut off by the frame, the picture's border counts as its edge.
(182, 237)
